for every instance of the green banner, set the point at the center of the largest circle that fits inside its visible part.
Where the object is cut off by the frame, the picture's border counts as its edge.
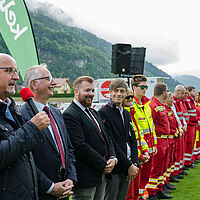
(16, 30)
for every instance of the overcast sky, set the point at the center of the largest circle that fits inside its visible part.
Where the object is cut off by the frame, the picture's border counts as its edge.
(169, 29)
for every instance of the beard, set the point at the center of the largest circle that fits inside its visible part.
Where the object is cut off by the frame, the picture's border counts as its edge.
(86, 101)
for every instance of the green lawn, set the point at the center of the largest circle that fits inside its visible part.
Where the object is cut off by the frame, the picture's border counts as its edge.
(189, 187)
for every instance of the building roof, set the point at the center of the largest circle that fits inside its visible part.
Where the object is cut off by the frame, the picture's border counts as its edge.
(61, 81)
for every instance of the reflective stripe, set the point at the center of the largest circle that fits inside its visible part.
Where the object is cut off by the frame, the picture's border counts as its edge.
(187, 154)
(163, 136)
(171, 136)
(190, 114)
(194, 110)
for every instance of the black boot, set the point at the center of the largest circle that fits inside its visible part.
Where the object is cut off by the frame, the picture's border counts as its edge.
(152, 197)
(165, 190)
(178, 176)
(162, 195)
(173, 180)
(183, 173)
(170, 186)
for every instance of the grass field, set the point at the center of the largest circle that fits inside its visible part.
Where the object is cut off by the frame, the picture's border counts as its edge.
(189, 187)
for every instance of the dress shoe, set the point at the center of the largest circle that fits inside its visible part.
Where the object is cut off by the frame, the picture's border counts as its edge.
(192, 166)
(152, 197)
(196, 162)
(185, 167)
(183, 173)
(165, 190)
(179, 177)
(162, 195)
(170, 186)
(173, 180)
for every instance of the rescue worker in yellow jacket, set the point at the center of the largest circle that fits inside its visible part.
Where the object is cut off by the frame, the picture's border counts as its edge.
(143, 150)
(143, 117)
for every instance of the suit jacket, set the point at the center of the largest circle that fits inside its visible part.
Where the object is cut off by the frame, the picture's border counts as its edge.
(46, 156)
(120, 134)
(88, 145)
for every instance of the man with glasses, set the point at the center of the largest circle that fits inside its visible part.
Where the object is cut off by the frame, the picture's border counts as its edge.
(162, 129)
(55, 157)
(18, 177)
(117, 121)
(143, 117)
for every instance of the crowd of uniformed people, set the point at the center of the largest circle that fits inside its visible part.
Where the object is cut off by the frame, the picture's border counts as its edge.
(132, 148)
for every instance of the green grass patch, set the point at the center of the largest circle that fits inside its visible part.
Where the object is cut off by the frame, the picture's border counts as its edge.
(189, 187)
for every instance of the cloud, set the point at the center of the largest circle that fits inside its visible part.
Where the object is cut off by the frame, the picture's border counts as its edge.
(51, 11)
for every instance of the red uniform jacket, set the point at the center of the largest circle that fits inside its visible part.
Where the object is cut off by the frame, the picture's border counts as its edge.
(160, 118)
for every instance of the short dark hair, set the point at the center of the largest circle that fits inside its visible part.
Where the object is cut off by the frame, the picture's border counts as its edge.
(159, 88)
(190, 88)
(136, 79)
(118, 83)
(80, 79)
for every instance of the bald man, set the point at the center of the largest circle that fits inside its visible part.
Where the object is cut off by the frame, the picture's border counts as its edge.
(18, 177)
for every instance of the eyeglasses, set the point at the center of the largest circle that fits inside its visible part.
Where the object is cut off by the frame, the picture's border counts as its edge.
(143, 86)
(49, 78)
(11, 71)
(129, 97)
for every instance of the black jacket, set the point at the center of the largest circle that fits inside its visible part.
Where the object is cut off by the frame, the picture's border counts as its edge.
(88, 145)
(47, 158)
(120, 134)
(18, 177)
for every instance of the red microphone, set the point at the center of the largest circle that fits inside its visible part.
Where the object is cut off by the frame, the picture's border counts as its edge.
(27, 95)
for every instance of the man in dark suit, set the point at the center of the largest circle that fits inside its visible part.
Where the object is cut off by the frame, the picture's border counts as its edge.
(55, 157)
(117, 121)
(18, 177)
(94, 152)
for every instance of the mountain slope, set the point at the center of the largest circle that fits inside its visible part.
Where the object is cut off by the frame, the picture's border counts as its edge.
(188, 80)
(70, 51)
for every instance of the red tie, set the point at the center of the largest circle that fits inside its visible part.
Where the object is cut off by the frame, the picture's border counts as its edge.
(103, 137)
(56, 134)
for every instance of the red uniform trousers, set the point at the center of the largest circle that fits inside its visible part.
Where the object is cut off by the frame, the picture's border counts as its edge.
(157, 166)
(171, 158)
(189, 145)
(133, 191)
(165, 172)
(145, 174)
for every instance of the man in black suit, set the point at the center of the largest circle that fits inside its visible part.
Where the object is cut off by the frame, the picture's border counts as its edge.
(94, 152)
(117, 121)
(55, 157)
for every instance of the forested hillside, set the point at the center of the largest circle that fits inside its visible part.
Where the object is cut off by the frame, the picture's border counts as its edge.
(70, 51)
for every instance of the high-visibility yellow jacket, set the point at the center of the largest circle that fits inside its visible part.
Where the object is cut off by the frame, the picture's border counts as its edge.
(143, 117)
(141, 143)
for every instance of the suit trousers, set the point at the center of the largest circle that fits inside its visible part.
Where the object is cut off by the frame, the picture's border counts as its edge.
(90, 193)
(117, 187)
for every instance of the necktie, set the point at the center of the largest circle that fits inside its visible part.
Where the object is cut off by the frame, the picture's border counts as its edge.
(56, 134)
(103, 137)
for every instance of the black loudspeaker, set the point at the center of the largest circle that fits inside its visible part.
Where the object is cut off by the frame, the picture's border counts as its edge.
(121, 58)
(137, 60)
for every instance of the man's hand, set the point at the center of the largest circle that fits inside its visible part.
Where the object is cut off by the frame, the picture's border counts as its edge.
(62, 189)
(41, 120)
(132, 171)
(146, 157)
(109, 166)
